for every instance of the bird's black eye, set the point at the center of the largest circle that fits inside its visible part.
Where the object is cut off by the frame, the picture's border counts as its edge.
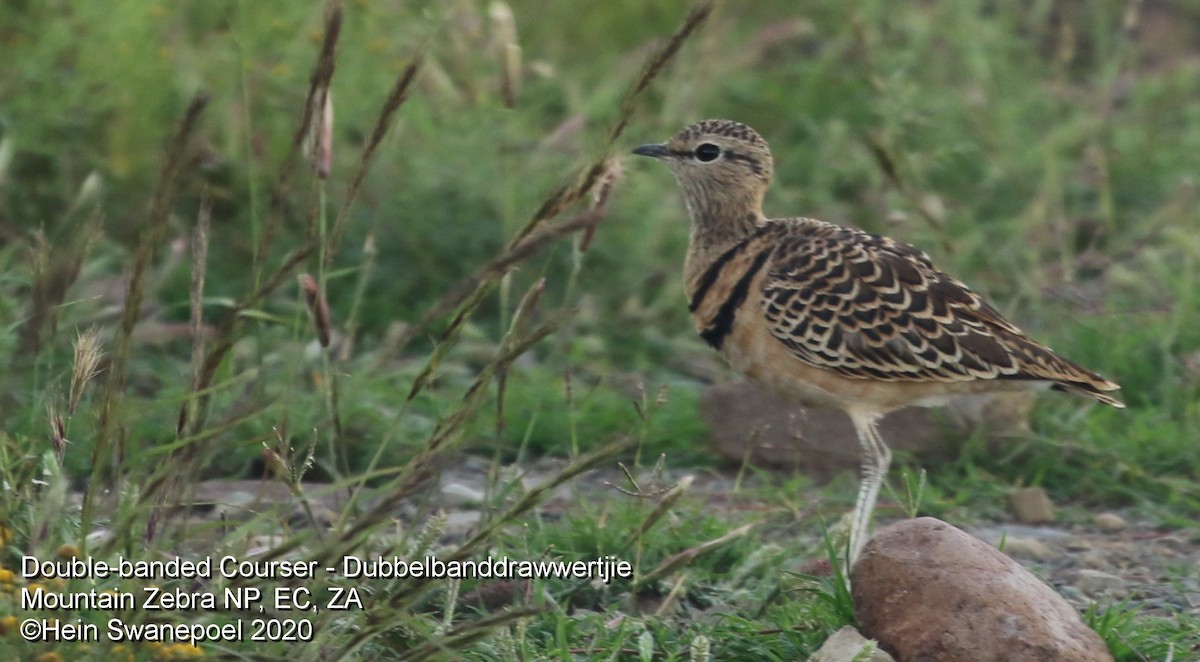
(707, 152)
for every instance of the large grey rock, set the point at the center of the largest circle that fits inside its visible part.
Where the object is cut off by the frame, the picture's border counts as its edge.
(927, 591)
(749, 423)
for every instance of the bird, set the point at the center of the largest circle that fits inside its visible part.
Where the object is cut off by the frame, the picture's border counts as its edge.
(836, 317)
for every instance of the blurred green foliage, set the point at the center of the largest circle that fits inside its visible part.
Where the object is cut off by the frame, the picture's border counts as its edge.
(1043, 151)
(1045, 154)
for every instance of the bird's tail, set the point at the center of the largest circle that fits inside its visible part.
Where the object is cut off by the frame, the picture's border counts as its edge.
(1093, 388)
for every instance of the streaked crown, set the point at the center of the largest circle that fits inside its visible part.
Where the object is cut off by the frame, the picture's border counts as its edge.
(723, 128)
(721, 149)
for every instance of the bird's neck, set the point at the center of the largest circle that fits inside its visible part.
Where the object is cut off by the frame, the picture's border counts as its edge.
(718, 223)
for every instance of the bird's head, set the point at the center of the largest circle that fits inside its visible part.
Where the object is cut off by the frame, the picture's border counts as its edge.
(723, 166)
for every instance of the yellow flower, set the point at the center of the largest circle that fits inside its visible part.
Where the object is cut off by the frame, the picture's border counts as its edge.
(178, 652)
(68, 552)
(8, 624)
(48, 657)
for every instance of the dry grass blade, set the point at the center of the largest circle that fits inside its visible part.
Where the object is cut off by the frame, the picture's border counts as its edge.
(560, 200)
(663, 506)
(508, 50)
(318, 307)
(318, 86)
(54, 271)
(227, 332)
(445, 342)
(475, 285)
(534, 496)
(455, 638)
(599, 174)
(58, 429)
(525, 310)
(471, 631)
(658, 62)
(39, 297)
(151, 237)
(395, 99)
(85, 366)
(200, 236)
(319, 146)
(366, 271)
(685, 557)
(402, 598)
(429, 460)
(608, 180)
(598, 171)
(154, 231)
(6, 157)
(886, 159)
(694, 18)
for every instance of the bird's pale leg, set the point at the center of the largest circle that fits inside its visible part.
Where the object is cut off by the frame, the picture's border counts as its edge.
(875, 460)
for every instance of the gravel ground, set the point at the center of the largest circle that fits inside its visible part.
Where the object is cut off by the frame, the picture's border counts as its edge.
(1113, 557)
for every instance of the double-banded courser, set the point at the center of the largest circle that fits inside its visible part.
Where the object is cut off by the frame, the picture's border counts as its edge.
(837, 317)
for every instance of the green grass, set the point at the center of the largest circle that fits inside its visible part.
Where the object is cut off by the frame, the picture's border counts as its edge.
(1042, 153)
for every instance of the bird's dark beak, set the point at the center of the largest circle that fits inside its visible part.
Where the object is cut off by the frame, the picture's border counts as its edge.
(656, 151)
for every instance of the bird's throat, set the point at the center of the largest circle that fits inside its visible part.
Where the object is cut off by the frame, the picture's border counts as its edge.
(717, 231)
(721, 218)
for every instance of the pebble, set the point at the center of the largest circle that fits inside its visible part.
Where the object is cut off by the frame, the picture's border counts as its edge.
(1094, 560)
(1032, 505)
(996, 534)
(1028, 548)
(1097, 582)
(262, 544)
(1078, 544)
(1110, 522)
(459, 523)
(455, 493)
(846, 645)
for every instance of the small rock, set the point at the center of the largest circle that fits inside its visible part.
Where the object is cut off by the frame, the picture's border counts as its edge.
(99, 536)
(1110, 522)
(1074, 596)
(818, 566)
(1028, 548)
(1094, 560)
(1032, 506)
(846, 645)
(927, 591)
(261, 544)
(460, 523)
(993, 535)
(455, 493)
(1079, 544)
(1096, 582)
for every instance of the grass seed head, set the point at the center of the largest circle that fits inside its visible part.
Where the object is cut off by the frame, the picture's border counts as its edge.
(86, 366)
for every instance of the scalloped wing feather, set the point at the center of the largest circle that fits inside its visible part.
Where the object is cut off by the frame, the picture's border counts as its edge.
(871, 307)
